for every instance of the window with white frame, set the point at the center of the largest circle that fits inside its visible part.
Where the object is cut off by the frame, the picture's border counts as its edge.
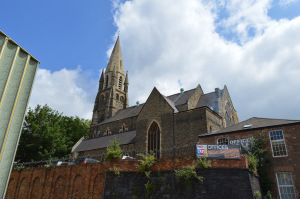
(223, 141)
(278, 143)
(285, 185)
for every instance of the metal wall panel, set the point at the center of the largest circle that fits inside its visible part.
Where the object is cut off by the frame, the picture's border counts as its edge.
(17, 73)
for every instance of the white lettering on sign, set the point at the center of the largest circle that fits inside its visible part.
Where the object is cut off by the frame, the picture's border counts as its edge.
(217, 146)
(245, 142)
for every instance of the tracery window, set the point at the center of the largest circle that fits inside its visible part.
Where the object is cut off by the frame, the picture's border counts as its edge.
(106, 96)
(154, 139)
(102, 98)
(121, 98)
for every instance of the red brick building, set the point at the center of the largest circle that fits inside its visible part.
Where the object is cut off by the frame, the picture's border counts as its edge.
(283, 142)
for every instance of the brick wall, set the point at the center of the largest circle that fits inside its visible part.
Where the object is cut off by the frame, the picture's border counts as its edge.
(291, 163)
(87, 180)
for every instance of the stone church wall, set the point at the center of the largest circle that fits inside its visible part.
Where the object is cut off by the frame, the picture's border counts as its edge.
(87, 180)
(190, 124)
(114, 127)
(156, 109)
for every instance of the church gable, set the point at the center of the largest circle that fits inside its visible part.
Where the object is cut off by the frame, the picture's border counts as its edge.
(157, 111)
(156, 105)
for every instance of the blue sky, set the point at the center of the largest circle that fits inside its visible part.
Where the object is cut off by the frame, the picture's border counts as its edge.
(251, 46)
(61, 34)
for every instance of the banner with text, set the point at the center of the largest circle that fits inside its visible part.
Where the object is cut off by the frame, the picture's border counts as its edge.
(219, 151)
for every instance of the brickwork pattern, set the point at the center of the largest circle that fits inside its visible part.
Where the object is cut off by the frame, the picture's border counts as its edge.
(290, 163)
(87, 180)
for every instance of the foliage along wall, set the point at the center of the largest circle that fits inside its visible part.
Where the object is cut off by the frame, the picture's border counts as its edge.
(87, 180)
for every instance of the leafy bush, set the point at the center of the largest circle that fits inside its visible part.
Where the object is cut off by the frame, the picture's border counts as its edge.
(114, 151)
(149, 187)
(203, 162)
(115, 170)
(188, 174)
(145, 163)
(257, 194)
(252, 162)
(257, 148)
(268, 196)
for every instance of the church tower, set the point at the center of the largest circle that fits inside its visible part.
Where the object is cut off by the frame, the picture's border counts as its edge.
(113, 88)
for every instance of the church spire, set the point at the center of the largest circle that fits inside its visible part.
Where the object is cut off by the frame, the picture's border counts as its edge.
(115, 59)
(101, 81)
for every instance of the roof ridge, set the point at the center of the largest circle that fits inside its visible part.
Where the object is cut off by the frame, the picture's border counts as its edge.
(182, 93)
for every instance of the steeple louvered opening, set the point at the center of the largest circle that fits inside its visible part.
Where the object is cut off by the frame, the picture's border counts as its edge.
(120, 83)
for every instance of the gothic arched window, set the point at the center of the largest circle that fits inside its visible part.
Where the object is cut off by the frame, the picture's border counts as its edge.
(120, 83)
(106, 81)
(117, 96)
(154, 139)
(121, 98)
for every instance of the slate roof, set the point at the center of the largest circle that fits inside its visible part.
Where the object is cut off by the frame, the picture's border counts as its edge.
(207, 100)
(125, 113)
(181, 98)
(255, 123)
(174, 101)
(104, 142)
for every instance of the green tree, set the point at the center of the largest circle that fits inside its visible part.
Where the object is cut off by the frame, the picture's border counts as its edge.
(48, 134)
(114, 151)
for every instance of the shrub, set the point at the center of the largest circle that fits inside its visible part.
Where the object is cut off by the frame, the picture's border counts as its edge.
(145, 163)
(257, 195)
(268, 196)
(149, 187)
(188, 174)
(252, 162)
(257, 148)
(114, 151)
(203, 162)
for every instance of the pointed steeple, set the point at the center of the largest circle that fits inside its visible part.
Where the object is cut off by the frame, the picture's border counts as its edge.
(101, 81)
(115, 59)
(111, 97)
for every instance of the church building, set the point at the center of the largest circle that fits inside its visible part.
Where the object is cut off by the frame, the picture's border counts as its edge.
(167, 125)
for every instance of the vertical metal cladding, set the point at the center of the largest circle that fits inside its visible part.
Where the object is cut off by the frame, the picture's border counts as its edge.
(17, 73)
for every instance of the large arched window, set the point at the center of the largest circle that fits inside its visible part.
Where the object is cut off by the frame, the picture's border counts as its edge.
(154, 139)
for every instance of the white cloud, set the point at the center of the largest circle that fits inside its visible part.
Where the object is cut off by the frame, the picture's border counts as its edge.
(164, 41)
(173, 44)
(65, 91)
(285, 3)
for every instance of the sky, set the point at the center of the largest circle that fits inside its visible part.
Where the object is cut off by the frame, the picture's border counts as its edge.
(251, 46)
